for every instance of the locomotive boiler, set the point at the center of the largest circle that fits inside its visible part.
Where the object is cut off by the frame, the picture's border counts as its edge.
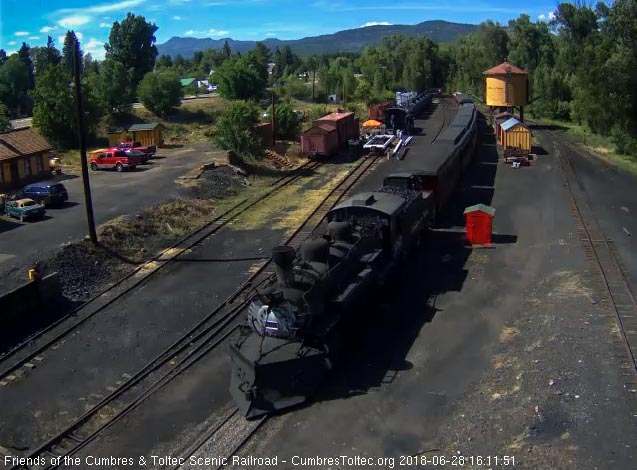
(295, 324)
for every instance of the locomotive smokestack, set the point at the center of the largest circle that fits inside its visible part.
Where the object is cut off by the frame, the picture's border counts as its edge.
(283, 257)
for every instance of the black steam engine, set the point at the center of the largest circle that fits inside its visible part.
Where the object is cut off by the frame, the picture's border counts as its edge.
(295, 322)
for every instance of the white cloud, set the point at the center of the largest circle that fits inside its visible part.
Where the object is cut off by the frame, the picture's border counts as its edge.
(21, 33)
(210, 33)
(376, 23)
(177, 18)
(108, 7)
(11, 43)
(215, 32)
(95, 47)
(270, 34)
(72, 21)
(548, 17)
(34, 37)
(105, 25)
(47, 29)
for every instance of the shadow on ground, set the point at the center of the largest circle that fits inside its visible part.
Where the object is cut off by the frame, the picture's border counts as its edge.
(17, 331)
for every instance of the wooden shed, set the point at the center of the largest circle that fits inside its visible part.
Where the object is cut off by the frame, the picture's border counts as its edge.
(115, 136)
(514, 134)
(319, 140)
(24, 157)
(498, 120)
(148, 133)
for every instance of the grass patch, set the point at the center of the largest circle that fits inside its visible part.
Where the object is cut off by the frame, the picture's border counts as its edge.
(136, 237)
(287, 209)
(598, 145)
(192, 122)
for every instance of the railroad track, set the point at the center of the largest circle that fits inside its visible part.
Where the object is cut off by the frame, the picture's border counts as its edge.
(602, 253)
(139, 275)
(224, 440)
(202, 339)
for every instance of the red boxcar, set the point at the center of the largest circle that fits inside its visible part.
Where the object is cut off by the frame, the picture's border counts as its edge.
(377, 111)
(343, 123)
(319, 140)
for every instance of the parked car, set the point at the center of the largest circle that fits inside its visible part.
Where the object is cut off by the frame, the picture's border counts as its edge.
(149, 150)
(49, 193)
(144, 157)
(24, 209)
(113, 159)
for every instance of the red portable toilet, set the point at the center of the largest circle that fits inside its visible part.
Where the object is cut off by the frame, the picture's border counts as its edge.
(479, 224)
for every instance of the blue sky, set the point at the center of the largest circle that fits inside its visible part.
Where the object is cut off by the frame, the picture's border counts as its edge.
(32, 20)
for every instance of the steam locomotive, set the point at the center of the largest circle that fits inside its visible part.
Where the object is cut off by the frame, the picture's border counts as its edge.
(295, 323)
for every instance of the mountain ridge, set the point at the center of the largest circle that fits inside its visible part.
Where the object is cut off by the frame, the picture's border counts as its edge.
(349, 40)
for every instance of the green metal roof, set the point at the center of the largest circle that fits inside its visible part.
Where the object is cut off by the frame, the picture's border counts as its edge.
(187, 81)
(149, 126)
(481, 207)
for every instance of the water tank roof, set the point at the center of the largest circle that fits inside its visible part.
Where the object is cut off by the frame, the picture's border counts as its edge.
(505, 68)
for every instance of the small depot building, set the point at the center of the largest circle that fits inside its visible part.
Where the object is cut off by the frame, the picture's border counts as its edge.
(150, 133)
(24, 158)
(479, 224)
(515, 134)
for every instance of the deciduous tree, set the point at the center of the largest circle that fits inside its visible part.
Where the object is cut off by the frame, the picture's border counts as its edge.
(236, 129)
(160, 92)
(132, 43)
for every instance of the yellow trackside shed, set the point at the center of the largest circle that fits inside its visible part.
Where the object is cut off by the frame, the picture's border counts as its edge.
(148, 134)
(115, 136)
(514, 134)
(506, 85)
(24, 158)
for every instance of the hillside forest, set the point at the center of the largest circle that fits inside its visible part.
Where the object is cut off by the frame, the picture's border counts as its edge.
(582, 65)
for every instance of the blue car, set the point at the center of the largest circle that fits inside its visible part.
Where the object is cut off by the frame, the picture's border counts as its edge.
(48, 193)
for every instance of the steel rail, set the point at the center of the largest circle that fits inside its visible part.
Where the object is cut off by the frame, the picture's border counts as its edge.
(593, 236)
(209, 228)
(193, 343)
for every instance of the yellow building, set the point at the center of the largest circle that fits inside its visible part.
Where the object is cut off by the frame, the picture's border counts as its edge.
(24, 158)
(506, 86)
(115, 136)
(147, 133)
(150, 133)
(514, 134)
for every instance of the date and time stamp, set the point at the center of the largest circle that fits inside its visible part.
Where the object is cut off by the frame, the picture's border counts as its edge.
(419, 461)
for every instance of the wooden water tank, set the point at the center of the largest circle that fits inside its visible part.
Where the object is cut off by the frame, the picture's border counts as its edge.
(506, 85)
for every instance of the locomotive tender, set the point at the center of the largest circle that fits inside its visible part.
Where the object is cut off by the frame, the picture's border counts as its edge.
(295, 323)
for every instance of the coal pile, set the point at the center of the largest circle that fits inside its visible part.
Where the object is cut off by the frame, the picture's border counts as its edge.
(84, 269)
(217, 183)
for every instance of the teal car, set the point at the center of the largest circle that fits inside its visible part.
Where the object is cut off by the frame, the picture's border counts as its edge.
(24, 209)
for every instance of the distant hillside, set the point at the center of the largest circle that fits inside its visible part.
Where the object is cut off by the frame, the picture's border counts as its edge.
(351, 40)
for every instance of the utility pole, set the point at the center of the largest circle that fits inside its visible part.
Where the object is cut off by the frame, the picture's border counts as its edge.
(88, 201)
(313, 82)
(273, 122)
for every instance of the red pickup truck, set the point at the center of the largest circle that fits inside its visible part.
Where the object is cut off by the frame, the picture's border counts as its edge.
(113, 158)
(148, 150)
